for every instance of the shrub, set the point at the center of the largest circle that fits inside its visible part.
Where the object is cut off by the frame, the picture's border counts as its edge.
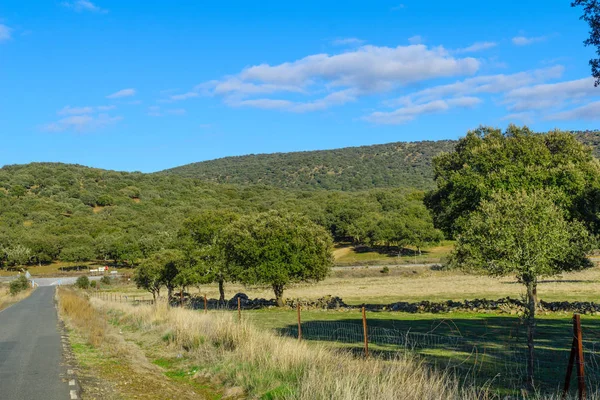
(385, 270)
(93, 284)
(18, 285)
(83, 282)
(105, 280)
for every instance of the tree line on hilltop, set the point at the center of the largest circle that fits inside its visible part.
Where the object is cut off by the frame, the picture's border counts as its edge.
(391, 165)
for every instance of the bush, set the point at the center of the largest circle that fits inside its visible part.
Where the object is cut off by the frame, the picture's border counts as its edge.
(105, 280)
(93, 284)
(385, 270)
(18, 285)
(83, 282)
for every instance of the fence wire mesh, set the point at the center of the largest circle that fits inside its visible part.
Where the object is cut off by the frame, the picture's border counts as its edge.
(498, 364)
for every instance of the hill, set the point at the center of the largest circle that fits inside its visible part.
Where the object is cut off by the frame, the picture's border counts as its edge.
(72, 213)
(400, 164)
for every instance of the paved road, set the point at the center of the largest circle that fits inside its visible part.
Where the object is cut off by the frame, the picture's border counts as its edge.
(57, 281)
(61, 281)
(31, 350)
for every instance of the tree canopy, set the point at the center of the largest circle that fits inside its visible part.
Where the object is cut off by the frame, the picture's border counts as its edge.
(488, 160)
(591, 15)
(525, 235)
(277, 249)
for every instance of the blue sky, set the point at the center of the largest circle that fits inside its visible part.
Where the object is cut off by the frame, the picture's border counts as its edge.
(148, 85)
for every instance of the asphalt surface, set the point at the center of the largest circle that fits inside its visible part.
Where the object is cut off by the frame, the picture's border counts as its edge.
(31, 350)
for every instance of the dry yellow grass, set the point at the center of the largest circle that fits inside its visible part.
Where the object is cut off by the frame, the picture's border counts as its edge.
(265, 364)
(112, 363)
(6, 299)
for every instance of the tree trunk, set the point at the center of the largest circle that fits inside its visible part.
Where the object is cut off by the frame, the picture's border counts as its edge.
(278, 289)
(221, 291)
(531, 305)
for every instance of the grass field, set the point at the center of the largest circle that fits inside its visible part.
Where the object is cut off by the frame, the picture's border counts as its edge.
(349, 255)
(369, 285)
(496, 338)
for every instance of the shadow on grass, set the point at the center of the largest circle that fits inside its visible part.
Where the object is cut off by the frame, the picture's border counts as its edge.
(488, 350)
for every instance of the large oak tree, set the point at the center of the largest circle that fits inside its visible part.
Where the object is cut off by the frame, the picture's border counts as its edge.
(277, 249)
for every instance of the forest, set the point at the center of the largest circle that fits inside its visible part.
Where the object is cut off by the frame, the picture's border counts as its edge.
(72, 213)
(397, 165)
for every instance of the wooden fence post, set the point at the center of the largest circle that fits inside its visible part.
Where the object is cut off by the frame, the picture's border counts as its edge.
(205, 305)
(576, 358)
(299, 323)
(365, 332)
(239, 310)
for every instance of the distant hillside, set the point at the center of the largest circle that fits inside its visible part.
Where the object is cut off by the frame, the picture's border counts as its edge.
(400, 165)
(72, 213)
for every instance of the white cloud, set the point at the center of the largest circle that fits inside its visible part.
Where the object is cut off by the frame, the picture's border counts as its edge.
(398, 7)
(352, 41)
(550, 95)
(410, 112)
(417, 39)
(5, 32)
(156, 111)
(184, 96)
(122, 93)
(369, 68)
(482, 84)
(525, 117)
(68, 110)
(80, 119)
(334, 79)
(83, 5)
(81, 123)
(266, 104)
(525, 41)
(590, 111)
(478, 46)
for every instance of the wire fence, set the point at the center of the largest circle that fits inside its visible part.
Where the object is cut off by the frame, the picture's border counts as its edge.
(502, 365)
(497, 362)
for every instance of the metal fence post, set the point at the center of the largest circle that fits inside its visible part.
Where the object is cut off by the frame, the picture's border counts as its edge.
(576, 357)
(365, 332)
(299, 323)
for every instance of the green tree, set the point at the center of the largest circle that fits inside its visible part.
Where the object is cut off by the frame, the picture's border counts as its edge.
(18, 191)
(524, 235)
(148, 276)
(77, 254)
(83, 282)
(161, 269)
(202, 232)
(277, 248)
(18, 285)
(487, 161)
(17, 255)
(591, 15)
